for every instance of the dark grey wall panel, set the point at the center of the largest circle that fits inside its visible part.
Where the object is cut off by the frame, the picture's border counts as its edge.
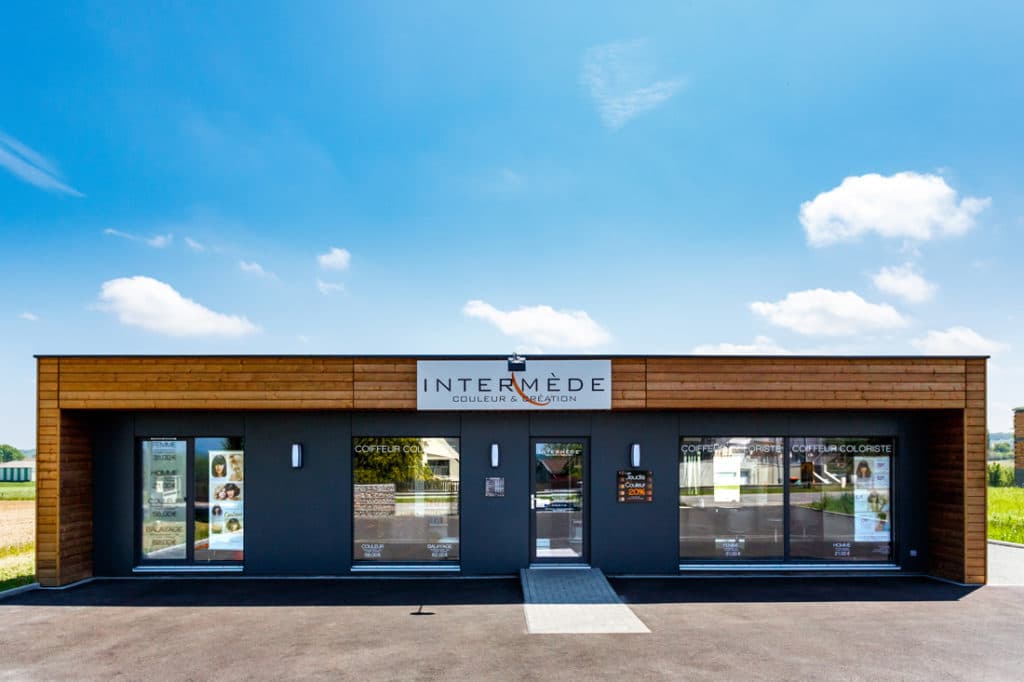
(911, 494)
(733, 423)
(157, 424)
(113, 494)
(843, 424)
(495, 530)
(423, 424)
(634, 537)
(298, 521)
(560, 423)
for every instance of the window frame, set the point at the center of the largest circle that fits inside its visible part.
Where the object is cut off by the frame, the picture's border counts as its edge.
(787, 559)
(369, 565)
(189, 562)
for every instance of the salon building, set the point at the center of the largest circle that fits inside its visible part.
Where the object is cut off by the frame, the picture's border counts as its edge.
(1018, 445)
(474, 465)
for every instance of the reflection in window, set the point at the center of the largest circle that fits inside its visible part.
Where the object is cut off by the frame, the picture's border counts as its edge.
(558, 499)
(731, 498)
(840, 498)
(405, 500)
(220, 499)
(164, 491)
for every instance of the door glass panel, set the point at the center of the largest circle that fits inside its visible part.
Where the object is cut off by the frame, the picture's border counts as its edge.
(164, 515)
(558, 500)
(840, 498)
(731, 498)
(220, 499)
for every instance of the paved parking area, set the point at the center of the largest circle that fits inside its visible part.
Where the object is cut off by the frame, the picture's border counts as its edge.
(893, 628)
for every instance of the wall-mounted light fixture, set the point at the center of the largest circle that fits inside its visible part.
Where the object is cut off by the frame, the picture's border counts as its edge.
(634, 455)
(296, 455)
(517, 363)
(495, 456)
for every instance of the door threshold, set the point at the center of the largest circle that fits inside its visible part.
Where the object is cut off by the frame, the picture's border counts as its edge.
(187, 569)
(576, 567)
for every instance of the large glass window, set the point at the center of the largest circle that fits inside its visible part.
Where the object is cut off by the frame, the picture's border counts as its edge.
(731, 498)
(840, 501)
(405, 499)
(211, 473)
(822, 499)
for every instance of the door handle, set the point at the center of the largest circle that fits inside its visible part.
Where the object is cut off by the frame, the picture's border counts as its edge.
(533, 501)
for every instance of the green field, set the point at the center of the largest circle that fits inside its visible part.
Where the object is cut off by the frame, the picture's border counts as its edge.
(18, 491)
(17, 570)
(17, 534)
(1006, 514)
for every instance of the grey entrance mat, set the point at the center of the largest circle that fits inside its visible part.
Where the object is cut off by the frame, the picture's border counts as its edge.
(574, 601)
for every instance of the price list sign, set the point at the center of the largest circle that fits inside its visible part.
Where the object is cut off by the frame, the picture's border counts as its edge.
(635, 486)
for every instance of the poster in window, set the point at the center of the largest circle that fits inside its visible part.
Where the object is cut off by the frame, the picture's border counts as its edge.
(227, 486)
(871, 502)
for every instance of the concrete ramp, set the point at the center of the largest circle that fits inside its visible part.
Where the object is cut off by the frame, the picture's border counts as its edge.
(574, 601)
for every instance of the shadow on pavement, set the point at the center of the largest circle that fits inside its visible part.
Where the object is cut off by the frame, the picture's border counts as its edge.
(783, 590)
(415, 593)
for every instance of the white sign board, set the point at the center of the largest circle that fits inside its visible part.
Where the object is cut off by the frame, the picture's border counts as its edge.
(490, 385)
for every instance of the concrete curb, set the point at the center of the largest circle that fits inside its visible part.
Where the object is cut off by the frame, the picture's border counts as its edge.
(1003, 543)
(18, 590)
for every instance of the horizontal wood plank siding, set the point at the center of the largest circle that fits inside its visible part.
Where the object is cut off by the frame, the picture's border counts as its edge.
(1018, 443)
(209, 383)
(213, 383)
(385, 384)
(946, 520)
(975, 481)
(48, 492)
(805, 383)
(75, 539)
(629, 384)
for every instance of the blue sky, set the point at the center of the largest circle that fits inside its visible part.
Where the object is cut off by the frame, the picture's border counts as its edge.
(343, 178)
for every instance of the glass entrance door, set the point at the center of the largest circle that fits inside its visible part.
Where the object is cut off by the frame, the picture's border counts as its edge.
(190, 502)
(558, 509)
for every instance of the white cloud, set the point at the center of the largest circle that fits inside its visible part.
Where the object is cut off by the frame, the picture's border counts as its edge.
(957, 341)
(829, 313)
(32, 167)
(31, 317)
(619, 76)
(326, 288)
(254, 269)
(158, 241)
(335, 259)
(902, 281)
(906, 205)
(156, 306)
(542, 325)
(194, 245)
(762, 346)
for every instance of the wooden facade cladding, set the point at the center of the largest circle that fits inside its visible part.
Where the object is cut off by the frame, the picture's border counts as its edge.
(301, 383)
(948, 392)
(207, 383)
(1018, 443)
(804, 383)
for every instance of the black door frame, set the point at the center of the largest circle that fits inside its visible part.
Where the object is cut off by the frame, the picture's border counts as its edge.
(584, 494)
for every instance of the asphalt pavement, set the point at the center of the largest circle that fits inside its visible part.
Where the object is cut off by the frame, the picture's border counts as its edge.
(814, 628)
